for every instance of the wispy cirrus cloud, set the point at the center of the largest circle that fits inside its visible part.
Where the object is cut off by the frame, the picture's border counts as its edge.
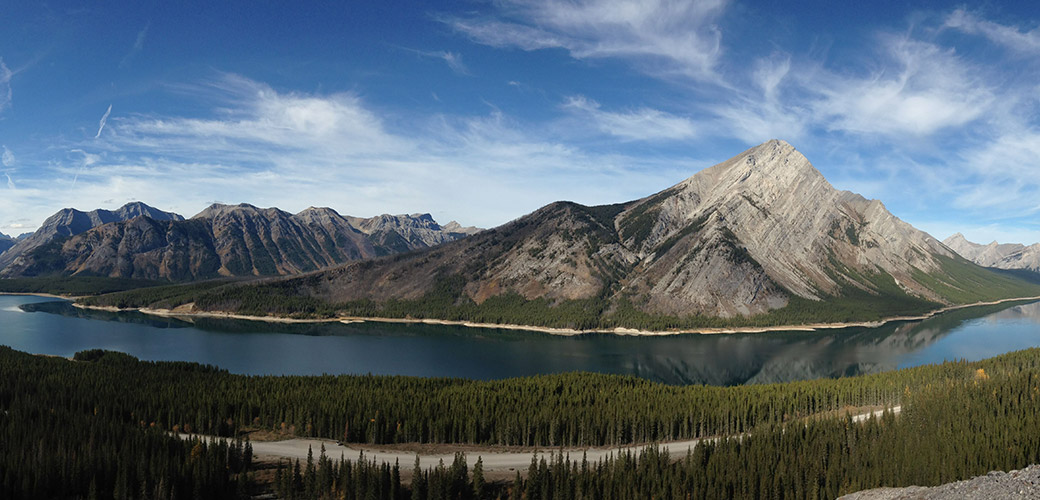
(661, 36)
(452, 59)
(642, 124)
(1011, 37)
(5, 85)
(919, 88)
(294, 150)
(101, 123)
(137, 47)
(7, 160)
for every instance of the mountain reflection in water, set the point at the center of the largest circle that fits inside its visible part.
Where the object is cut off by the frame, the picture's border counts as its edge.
(256, 347)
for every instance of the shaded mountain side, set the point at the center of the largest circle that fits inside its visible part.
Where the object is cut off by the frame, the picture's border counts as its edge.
(759, 239)
(1009, 256)
(6, 242)
(222, 240)
(69, 222)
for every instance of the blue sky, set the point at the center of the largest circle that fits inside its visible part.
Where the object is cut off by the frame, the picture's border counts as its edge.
(484, 111)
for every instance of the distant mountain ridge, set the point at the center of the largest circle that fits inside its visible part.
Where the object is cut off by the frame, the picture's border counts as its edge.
(760, 234)
(401, 233)
(998, 255)
(222, 240)
(69, 222)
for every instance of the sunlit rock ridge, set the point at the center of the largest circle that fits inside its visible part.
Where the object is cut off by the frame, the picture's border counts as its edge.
(999, 255)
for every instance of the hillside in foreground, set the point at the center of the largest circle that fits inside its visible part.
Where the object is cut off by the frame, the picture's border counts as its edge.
(77, 429)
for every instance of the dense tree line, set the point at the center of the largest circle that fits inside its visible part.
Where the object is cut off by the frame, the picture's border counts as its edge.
(98, 428)
(64, 444)
(951, 429)
(550, 410)
(73, 285)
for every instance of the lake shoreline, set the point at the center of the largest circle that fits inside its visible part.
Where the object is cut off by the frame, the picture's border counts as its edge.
(48, 295)
(187, 314)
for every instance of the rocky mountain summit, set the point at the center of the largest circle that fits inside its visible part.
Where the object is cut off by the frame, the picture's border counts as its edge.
(70, 222)
(402, 233)
(761, 232)
(998, 255)
(222, 240)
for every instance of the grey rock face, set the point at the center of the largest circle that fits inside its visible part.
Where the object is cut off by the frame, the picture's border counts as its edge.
(70, 222)
(1017, 484)
(403, 233)
(998, 255)
(735, 239)
(772, 210)
(222, 240)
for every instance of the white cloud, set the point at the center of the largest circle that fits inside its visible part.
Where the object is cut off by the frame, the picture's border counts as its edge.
(1004, 175)
(1026, 42)
(258, 120)
(136, 48)
(294, 150)
(921, 88)
(661, 36)
(7, 157)
(643, 124)
(452, 59)
(101, 124)
(5, 85)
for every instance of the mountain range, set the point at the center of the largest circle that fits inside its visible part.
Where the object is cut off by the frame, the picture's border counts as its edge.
(138, 241)
(762, 235)
(999, 255)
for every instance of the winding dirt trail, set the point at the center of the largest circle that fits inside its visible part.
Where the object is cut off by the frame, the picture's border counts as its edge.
(499, 464)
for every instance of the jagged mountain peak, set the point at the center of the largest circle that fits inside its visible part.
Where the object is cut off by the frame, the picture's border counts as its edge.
(455, 227)
(221, 210)
(319, 210)
(996, 254)
(70, 222)
(222, 240)
(137, 208)
(772, 163)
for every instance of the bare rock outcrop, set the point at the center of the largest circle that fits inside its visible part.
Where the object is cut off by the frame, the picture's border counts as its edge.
(998, 255)
(70, 222)
(1014, 485)
(222, 240)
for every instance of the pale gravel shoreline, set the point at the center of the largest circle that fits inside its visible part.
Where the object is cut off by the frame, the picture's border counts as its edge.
(48, 295)
(187, 314)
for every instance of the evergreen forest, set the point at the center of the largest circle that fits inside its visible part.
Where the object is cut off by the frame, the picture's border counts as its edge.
(103, 426)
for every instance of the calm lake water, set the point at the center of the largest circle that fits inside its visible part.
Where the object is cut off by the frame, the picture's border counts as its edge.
(49, 326)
